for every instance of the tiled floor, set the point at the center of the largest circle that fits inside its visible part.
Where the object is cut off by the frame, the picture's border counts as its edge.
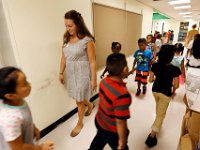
(142, 117)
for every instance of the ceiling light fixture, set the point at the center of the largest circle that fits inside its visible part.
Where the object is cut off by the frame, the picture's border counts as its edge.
(179, 2)
(183, 7)
(185, 13)
(188, 19)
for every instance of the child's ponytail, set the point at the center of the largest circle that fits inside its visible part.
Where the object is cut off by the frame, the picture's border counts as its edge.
(179, 47)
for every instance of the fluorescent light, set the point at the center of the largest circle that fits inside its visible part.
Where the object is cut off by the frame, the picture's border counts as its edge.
(188, 19)
(179, 2)
(187, 16)
(185, 13)
(182, 7)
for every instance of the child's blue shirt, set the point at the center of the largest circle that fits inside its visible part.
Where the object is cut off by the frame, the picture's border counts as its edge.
(143, 59)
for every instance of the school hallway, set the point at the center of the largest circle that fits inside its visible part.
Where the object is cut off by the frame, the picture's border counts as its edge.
(142, 117)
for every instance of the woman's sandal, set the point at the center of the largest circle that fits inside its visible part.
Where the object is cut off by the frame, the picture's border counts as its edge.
(89, 111)
(75, 133)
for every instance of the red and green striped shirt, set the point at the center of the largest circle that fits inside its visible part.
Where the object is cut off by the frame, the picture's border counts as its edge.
(114, 104)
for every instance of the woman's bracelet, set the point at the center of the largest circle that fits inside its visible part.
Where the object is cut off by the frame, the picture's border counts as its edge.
(61, 73)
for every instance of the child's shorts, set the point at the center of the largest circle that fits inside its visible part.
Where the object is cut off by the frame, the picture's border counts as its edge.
(141, 76)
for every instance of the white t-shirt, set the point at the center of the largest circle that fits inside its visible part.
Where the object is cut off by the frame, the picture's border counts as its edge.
(158, 45)
(193, 85)
(15, 121)
(193, 61)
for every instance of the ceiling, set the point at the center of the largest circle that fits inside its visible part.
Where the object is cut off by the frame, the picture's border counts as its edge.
(164, 7)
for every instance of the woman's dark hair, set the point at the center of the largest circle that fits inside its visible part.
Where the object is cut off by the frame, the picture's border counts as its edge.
(166, 54)
(142, 40)
(79, 22)
(116, 47)
(159, 36)
(196, 47)
(179, 47)
(151, 37)
(164, 34)
(115, 64)
(8, 81)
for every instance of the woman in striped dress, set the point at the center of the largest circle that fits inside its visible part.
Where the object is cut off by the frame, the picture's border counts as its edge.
(78, 57)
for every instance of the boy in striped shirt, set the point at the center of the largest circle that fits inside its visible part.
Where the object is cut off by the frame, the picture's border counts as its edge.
(113, 111)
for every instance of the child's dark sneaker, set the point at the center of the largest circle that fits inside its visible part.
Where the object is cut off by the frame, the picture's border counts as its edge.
(138, 92)
(151, 141)
(144, 90)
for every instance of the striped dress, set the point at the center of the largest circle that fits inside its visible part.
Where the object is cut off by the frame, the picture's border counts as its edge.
(114, 104)
(78, 70)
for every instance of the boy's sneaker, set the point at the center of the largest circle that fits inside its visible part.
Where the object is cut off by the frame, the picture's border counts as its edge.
(144, 90)
(151, 141)
(138, 92)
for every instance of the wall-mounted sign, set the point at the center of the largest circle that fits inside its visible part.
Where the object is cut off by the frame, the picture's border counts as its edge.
(183, 31)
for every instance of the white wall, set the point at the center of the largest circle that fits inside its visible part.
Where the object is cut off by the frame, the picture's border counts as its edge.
(6, 51)
(171, 24)
(36, 29)
(168, 25)
(192, 22)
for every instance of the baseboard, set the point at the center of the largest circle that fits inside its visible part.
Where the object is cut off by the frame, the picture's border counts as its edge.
(52, 126)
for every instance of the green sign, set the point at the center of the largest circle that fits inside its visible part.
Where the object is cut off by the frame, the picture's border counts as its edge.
(158, 16)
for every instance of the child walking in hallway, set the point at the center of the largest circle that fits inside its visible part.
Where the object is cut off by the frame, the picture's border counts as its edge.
(143, 58)
(151, 46)
(116, 48)
(113, 111)
(178, 61)
(164, 74)
(17, 131)
(158, 43)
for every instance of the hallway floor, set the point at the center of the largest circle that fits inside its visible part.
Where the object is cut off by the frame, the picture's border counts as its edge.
(142, 117)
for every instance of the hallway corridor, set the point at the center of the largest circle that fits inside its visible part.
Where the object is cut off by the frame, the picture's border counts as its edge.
(142, 117)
